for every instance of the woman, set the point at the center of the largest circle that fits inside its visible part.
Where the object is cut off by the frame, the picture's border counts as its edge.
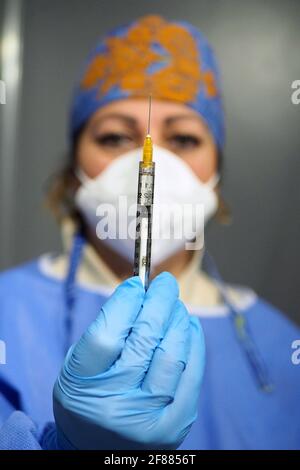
(133, 377)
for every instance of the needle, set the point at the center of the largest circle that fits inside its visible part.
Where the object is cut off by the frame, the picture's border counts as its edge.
(149, 115)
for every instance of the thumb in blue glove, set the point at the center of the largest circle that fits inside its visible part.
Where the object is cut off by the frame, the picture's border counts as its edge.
(132, 381)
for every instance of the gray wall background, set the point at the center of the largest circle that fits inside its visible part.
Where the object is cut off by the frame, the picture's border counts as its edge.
(258, 46)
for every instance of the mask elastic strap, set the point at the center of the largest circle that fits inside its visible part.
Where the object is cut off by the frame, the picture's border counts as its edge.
(70, 282)
(241, 327)
(213, 181)
(83, 178)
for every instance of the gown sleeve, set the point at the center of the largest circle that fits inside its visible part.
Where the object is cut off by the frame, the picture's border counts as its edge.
(20, 433)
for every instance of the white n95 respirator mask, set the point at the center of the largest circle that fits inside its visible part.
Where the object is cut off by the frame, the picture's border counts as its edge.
(182, 204)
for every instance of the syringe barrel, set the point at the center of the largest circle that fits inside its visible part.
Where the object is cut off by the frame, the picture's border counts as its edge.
(142, 255)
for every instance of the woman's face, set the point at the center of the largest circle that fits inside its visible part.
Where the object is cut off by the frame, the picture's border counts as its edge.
(121, 126)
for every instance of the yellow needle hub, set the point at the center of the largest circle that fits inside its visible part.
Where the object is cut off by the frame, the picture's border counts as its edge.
(147, 151)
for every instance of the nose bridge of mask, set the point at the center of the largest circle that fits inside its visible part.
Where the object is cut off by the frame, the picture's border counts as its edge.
(173, 176)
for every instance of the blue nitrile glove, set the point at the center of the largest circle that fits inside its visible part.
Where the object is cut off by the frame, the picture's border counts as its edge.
(132, 381)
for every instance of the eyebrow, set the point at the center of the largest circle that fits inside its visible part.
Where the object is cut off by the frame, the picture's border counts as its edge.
(171, 119)
(132, 122)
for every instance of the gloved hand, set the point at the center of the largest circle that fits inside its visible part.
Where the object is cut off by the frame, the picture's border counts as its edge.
(132, 381)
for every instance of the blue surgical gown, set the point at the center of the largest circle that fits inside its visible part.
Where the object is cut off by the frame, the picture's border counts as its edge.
(233, 411)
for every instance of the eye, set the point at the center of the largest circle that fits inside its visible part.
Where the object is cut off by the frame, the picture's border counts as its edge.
(185, 141)
(113, 139)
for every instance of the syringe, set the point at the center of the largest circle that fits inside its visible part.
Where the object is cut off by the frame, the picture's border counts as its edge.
(142, 254)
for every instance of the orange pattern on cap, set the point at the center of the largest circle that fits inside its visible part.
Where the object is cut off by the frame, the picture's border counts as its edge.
(127, 59)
